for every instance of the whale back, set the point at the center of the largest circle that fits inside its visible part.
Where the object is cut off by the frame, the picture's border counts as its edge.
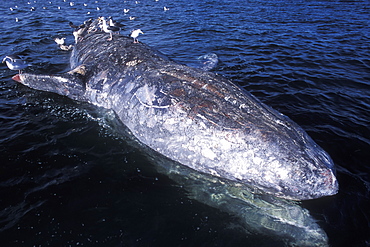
(197, 118)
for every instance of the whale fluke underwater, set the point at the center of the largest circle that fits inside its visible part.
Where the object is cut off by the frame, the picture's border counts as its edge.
(194, 117)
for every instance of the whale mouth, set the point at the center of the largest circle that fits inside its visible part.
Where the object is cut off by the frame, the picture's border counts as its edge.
(323, 184)
(329, 185)
(17, 78)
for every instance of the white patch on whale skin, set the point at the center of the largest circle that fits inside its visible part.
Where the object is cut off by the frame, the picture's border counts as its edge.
(214, 173)
(258, 161)
(171, 121)
(129, 86)
(62, 79)
(224, 144)
(133, 62)
(146, 96)
(208, 153)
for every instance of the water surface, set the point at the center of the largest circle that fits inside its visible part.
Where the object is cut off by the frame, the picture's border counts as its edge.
(67, 178)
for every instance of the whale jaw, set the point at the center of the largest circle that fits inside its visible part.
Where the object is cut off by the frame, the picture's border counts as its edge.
(17, 78)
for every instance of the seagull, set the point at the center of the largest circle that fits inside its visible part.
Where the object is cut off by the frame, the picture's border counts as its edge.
(62, 45)
(78, 30)
(66, 47)
(113, 23)
(108, 29)
(76, 27)
(59, 41)
(135, 34)
(14, 62)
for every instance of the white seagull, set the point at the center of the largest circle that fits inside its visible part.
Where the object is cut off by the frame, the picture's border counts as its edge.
(135, 34)
(62, 45)
(14, 62)
(59, 41)
(108, 29)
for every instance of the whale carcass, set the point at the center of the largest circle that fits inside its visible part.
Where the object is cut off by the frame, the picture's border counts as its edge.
(194, 117)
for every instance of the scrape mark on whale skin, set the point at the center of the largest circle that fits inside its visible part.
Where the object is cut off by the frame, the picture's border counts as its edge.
(149, 97)
(133, 63)
(98, 89)
(195, 82)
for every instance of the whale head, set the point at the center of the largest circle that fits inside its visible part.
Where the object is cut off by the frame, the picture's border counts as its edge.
(309, 176)
(288, 163)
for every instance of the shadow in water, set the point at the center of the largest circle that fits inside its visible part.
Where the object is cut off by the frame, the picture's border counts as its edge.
(257, 213)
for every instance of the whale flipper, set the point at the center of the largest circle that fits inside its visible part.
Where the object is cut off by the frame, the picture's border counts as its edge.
(71, 84)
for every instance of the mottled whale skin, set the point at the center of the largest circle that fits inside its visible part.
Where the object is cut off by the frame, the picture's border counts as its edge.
(196, 118)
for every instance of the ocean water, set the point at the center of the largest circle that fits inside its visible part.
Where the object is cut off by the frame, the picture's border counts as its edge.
(69, 178)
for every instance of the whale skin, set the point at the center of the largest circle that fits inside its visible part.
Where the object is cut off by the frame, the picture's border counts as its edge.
(197, 118)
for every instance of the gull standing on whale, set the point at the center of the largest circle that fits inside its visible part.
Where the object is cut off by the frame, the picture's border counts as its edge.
(114, 23)
(14, 62)
(108, 29)
(135, 34)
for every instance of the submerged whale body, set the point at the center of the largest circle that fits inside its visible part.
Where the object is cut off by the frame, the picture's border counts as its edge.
(191, 116)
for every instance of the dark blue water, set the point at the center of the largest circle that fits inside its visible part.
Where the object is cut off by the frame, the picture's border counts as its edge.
(67, 178)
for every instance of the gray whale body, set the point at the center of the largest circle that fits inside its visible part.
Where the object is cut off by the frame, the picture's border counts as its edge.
(194, 117)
